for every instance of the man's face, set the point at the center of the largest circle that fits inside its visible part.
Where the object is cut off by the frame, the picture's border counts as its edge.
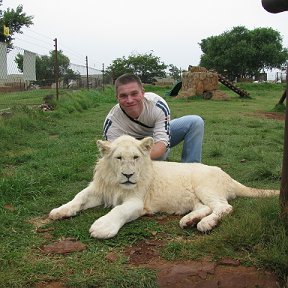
(130, 97)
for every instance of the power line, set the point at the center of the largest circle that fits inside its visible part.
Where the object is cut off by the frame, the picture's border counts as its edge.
(31, 43)
(47, 40)
(39, 34)
(78, 57)
(35, 44)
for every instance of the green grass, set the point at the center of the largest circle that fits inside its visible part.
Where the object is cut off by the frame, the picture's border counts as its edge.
(47, 157)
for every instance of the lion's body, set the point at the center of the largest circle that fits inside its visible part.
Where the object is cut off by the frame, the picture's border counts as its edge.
(128, 180)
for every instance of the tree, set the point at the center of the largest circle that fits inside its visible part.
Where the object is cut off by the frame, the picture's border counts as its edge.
(174, 72)
(243, 53)
(14, 20)
(45, 68)
(146, 66)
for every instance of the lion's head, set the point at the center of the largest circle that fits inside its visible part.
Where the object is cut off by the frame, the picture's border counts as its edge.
(125, 162)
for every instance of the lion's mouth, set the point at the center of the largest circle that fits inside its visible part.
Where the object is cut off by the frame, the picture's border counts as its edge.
(128, 183)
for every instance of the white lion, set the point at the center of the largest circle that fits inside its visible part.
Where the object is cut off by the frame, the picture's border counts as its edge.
(128, 180)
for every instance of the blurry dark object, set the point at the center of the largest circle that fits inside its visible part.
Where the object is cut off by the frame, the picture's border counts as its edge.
(275, 6)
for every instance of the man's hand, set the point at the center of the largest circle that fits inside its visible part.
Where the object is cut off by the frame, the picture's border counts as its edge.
(158, 150)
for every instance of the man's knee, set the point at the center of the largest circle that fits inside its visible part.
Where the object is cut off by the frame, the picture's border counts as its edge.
(196, 122)
(199, 120)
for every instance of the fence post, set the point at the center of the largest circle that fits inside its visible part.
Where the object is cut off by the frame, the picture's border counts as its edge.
(87, 74)
(284, 178)
(103, 76)
(277, 6)
(56, 69)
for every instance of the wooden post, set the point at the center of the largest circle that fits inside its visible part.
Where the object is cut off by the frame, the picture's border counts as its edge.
(281, 101)
(87, 74)
(284, 178)
(276, 6)
(103, 76)
(56, 69)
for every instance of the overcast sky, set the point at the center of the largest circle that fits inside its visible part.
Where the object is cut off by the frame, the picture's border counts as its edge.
(105, 30)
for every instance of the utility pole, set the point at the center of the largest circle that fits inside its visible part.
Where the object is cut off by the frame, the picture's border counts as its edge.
(103, 76)
(87, 74)
(56, 69)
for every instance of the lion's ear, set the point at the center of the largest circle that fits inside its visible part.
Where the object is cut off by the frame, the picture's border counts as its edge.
(146, 143)
(104, 146)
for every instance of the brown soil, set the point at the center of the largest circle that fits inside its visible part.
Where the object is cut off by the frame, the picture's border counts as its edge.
(225, 273)
(64, 246)
(52, 284)
(270, 115)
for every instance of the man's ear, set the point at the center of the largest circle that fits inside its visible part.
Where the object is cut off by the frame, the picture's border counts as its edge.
(146, 143)
(103, 146)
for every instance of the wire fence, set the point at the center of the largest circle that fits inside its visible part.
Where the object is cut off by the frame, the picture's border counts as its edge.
(23, 70)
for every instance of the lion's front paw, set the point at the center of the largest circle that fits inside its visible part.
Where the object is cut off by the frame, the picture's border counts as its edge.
(103, 229)
(61, 212)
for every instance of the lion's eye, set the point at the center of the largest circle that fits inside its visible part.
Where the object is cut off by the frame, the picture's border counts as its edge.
(135, 157)
(119, 157)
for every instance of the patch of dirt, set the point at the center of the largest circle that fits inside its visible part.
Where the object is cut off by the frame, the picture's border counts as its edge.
(9, 207)
(225, 273)
(39, 222)
(270, 115)
(204, 273)
(165, 218)
(64, 246)
(52, 284)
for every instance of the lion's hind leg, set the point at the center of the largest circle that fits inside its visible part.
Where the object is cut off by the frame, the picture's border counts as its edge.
(200, 211)
(210, 221)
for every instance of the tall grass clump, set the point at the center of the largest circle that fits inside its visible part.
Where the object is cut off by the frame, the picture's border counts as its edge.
(78, 101)
(20, 98)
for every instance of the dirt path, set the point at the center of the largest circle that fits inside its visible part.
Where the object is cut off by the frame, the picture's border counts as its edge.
(226, 273)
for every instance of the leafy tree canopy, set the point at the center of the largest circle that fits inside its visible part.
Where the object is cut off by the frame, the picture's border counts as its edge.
(146, 66)
(243, 53)
(15, 20)
(174, 72)
(45, 67)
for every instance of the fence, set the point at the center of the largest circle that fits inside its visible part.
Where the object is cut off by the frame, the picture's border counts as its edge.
(21, 70)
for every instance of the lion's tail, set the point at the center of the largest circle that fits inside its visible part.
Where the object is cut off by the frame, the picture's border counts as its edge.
(244, 191)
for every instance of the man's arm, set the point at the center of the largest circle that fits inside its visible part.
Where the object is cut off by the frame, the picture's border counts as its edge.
(158, 150)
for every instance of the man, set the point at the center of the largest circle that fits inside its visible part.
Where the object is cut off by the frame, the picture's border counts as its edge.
(141, 114)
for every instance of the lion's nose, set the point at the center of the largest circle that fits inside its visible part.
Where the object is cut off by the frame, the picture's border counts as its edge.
(127, 175)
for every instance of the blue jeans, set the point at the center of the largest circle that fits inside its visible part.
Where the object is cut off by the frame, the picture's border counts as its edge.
(190, 130)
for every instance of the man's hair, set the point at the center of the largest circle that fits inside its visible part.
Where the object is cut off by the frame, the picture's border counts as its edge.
(126, 79)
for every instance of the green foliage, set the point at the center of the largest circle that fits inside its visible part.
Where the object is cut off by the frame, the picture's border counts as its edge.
(243, 53)
(15, 20)
(146, 66)
(175, 72)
